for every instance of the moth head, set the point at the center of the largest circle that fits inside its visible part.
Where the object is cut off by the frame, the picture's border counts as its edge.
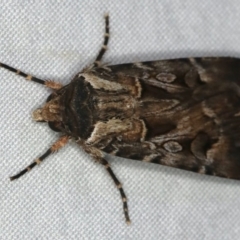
(50, 113)
(37, 115)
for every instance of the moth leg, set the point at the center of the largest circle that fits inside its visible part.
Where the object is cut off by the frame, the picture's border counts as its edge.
(119, 186)
(97, 62)
(47, 83)
(55, 147)
(98, 155)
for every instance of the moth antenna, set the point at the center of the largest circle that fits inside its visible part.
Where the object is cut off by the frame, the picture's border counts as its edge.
(55, 147)
(97, 62)
(119, 186)
(50, 84)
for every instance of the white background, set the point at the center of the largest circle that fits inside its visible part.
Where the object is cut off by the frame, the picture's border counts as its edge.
(69, 196)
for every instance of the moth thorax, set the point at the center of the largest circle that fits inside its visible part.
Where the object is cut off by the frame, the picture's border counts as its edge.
(50, 112)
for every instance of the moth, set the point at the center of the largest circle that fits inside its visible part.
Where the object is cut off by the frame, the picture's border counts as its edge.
(183, 113)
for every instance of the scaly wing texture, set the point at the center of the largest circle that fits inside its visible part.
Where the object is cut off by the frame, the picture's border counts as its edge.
(191, 111)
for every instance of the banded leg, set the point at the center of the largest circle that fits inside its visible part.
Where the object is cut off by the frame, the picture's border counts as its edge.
(119, 186)
(47, 83)
(97, 62)
(55, 147)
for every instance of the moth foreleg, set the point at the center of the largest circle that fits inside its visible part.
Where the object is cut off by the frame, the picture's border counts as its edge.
(55, 147)
(119, 186)
(97, 62)
(47, 83)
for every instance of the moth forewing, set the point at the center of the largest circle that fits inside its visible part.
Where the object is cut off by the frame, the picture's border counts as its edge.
(183, 113)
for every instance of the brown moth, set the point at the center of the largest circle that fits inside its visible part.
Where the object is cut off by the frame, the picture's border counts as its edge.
(183, 113)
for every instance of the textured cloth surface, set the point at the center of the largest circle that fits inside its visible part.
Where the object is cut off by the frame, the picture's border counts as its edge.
(69, 196)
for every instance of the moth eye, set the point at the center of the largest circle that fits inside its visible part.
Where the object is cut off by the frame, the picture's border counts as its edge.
(49, 97)
(55, 126)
